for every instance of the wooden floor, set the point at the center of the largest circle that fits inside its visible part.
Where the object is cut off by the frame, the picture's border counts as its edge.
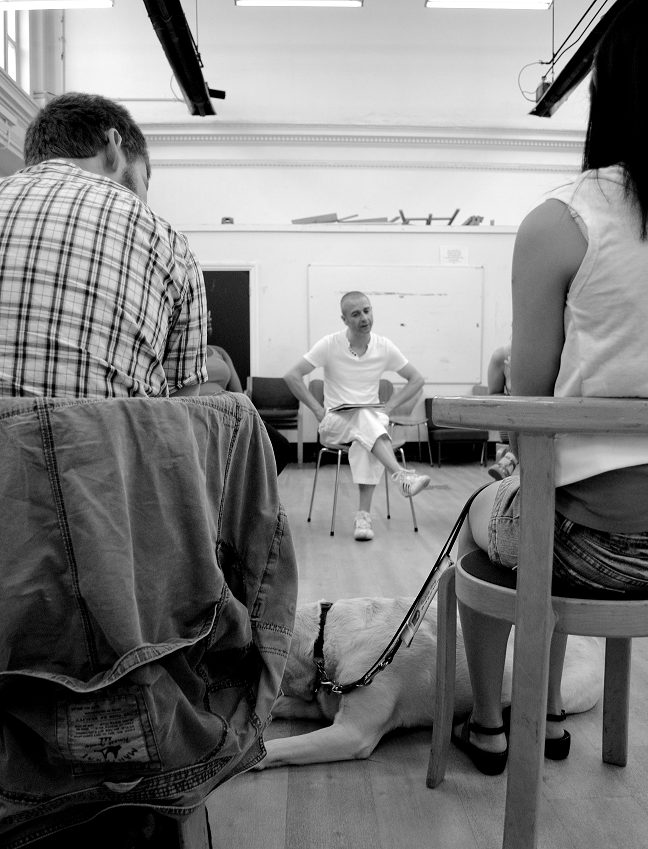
(383, 803)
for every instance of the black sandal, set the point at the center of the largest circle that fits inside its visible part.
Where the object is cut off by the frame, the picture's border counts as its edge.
(555, 749)
(488, 763)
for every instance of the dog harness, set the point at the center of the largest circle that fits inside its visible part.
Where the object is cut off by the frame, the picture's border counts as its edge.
(318, 648)
(406, 630)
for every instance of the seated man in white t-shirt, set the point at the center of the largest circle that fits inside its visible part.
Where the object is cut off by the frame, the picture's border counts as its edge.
(354, 360)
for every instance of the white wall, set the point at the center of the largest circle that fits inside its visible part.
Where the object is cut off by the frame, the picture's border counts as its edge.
(278, 258)
(355, 112)
(350, 111)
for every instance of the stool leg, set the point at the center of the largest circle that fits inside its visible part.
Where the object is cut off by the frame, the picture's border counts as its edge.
(446, 660)
(616, 700)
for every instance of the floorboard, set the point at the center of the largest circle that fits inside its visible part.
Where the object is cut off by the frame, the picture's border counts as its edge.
(383, 803)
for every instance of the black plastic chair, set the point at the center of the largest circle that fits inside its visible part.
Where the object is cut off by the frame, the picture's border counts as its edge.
(439, 435)
(277, 406)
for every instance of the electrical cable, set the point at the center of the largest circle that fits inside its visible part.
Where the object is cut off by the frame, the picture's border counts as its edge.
(522, 91)
(562, 49)
(179, 99)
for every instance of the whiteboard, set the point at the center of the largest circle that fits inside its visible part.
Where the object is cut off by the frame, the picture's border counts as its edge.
(432, 313)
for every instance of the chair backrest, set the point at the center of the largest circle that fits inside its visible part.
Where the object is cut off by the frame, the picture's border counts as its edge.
(316, 389)
(385, 390)
(271, 393)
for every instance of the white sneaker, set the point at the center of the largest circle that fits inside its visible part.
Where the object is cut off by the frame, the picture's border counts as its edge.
(409, 482)
(362, 529)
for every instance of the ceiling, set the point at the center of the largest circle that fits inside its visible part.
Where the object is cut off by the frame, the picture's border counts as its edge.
(392, 62)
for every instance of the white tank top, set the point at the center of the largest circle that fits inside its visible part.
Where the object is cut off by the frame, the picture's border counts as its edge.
(606, 321)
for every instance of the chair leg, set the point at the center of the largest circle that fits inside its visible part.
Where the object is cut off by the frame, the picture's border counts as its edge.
(193, 832)
(446, 660)
(387, 493)
(418, 439)
(410, 499)
(616, 700)
(319, 460)
(482, 461)
(300, 439)
(335, 495)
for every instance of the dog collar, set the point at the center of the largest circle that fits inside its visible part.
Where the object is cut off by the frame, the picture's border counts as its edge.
(318, 648)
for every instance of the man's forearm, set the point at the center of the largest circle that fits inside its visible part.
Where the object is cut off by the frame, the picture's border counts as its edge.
(299, 390)
(411, 388)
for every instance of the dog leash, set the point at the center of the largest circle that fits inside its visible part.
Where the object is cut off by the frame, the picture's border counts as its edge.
(408, 627)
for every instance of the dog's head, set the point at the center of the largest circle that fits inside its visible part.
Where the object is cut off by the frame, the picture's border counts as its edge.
(300, 672)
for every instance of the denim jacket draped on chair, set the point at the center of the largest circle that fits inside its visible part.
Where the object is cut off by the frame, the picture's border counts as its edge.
(147, 597)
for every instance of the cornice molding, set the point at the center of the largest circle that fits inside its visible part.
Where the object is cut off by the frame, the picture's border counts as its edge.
(16, 111)
(350, 136)
(550, 168)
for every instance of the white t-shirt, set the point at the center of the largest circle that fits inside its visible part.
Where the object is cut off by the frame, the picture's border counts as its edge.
(349, 379)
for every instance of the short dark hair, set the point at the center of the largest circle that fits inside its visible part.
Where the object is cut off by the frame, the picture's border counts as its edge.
(616, 128)
(74, 126)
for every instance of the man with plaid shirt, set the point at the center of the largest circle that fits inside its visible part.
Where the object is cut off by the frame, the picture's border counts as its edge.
(99, 296)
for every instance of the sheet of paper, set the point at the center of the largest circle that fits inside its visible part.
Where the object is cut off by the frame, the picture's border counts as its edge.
(453, 255)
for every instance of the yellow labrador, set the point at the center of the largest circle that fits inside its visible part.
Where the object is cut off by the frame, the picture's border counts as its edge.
(402, 695)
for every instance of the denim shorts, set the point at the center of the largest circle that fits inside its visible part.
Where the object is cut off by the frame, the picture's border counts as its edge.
(582, 556)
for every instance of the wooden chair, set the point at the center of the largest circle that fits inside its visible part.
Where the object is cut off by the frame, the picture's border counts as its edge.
(533, 609)
(385, 391)
(278, 406)
(439, 434)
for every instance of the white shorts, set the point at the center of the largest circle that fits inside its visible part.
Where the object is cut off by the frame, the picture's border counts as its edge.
(361, 428)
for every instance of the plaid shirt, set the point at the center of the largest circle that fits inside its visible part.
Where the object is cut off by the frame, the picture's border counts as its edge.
(98, 295)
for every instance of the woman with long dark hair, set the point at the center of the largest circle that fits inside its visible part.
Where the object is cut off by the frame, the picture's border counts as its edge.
(580, 328)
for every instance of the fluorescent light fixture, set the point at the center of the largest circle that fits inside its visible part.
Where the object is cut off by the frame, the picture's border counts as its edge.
(21, 5)
(349, 4)
(488, 4)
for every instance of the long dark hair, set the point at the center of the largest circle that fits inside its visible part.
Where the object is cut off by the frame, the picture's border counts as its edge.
(618, 103)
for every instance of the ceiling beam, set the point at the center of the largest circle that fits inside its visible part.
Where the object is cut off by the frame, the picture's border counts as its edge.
(172, 29)
(577, 68)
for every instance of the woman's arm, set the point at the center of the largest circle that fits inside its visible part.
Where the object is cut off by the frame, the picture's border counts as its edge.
(549, 250)
(234, 383)
(496, 379)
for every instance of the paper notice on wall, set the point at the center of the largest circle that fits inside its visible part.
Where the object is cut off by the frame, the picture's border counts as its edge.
(454, 255)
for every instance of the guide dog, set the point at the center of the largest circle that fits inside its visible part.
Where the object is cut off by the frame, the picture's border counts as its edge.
(402, 695)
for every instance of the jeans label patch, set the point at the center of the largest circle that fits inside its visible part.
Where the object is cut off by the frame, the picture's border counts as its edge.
(108, 732)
